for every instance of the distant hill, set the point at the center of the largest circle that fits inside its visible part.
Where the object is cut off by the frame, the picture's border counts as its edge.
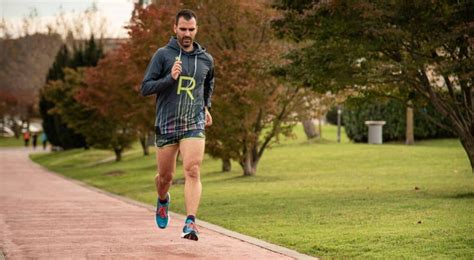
(24, 63)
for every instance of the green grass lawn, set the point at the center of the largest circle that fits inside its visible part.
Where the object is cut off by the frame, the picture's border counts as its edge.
(320, 198)
(11, 142)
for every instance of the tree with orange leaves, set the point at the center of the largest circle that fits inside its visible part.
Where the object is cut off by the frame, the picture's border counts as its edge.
(112, 87)
(251, 108)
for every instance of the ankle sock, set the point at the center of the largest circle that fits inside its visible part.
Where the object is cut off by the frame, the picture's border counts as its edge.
(191, 217)
(163, 202)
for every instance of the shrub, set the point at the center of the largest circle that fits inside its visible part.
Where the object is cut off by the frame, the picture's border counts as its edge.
(393, 112)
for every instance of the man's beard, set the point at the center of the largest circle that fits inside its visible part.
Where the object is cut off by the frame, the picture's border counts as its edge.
(186, 41)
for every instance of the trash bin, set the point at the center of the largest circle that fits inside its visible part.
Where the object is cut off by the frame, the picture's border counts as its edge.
(375, 131)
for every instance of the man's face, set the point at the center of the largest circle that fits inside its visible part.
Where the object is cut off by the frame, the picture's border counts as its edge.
(185, 32)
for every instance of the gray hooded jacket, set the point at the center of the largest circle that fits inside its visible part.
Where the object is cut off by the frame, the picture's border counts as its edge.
(179, 103)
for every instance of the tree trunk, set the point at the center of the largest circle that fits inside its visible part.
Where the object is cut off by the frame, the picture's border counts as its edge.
(249, 169)
(16, 128)
(150, 139)
(226, 165)
(320, 127)
(249, 165)
(3, 124)
(310, 129)
(462, 123)
(409, 134)
(118, 154)
(144, 143)
(339, 121)
(467, 142)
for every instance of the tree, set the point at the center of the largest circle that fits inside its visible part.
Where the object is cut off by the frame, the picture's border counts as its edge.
(391, 48)
(111, 88)
(72, 105)
(54, 125)
(251, 108)
(61, 61)
(149, 29)
(109, 91)
(55, 128)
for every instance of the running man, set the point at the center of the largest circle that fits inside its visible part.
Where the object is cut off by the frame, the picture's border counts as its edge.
(181, 75)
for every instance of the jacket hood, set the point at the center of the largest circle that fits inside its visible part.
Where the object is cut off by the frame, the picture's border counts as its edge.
(173, 43)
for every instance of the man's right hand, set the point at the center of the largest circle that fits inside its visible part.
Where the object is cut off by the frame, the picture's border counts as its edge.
(176, 70)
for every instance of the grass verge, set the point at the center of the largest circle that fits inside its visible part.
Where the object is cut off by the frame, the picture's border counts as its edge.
(11, 142)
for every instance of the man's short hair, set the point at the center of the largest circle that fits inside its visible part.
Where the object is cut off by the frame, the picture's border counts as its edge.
(186, 14)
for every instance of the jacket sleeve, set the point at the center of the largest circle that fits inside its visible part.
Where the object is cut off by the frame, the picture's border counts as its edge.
(154, 82)
(209, 85)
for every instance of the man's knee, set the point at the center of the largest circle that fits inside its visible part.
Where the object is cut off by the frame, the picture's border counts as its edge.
(164, 177)
(192, 170)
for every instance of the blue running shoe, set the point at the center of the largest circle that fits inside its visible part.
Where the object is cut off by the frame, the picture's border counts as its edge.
(162, 216)
(190, 231)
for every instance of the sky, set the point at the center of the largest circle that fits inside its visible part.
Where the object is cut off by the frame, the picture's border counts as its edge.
(116, 13)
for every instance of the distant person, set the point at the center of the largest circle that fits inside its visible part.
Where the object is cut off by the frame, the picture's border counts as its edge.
(26, 138)
(181, 75)
(35, 139)
(44, 140)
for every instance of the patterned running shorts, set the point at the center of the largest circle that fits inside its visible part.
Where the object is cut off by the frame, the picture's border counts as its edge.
(162, 140)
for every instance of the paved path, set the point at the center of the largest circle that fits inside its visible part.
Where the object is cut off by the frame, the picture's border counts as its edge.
(45, 216)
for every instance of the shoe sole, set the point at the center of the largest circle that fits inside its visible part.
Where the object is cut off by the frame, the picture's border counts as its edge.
(169, 217)
(191, 236)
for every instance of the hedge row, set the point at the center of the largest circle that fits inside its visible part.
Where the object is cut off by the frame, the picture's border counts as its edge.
(358, 110)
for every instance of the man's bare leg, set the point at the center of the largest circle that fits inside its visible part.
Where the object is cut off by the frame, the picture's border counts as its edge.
(166, 164)
(192, 151)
